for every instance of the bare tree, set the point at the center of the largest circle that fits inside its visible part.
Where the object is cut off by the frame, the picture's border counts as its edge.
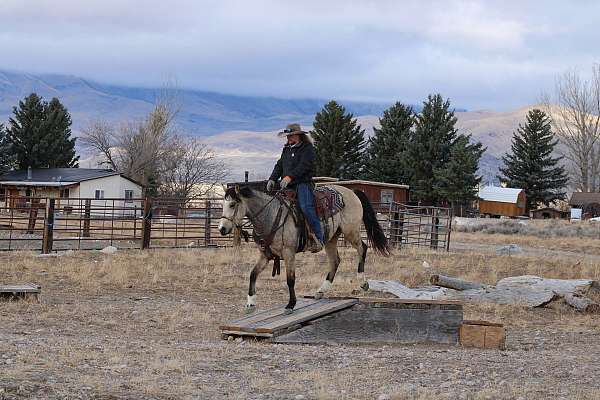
(576, 121)
(151, 152)
(191, 170)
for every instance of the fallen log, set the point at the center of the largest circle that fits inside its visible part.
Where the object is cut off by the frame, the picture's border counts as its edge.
(582, 303)
(558, 286)
(454, 283)
(403, 292)
(527, 290)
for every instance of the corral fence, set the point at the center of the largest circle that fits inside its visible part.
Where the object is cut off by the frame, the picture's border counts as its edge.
(53, 224)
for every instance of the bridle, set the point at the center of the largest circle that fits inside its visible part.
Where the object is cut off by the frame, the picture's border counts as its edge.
(252, 218)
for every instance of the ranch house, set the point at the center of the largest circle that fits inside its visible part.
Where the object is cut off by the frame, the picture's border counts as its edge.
(67, 186)
(501, 202)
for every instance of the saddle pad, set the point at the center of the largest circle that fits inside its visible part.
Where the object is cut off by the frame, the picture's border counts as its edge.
(328, 201)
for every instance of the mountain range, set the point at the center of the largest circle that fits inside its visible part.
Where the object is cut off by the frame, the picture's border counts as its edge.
(241, 129)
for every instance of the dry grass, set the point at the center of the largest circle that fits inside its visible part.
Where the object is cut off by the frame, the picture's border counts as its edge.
(142, 324)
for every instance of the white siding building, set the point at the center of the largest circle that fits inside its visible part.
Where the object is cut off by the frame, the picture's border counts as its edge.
(71, 187)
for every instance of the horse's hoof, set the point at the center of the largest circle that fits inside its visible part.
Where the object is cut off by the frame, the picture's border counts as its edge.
(250, 308)
(288, 311)
(318, 295)
(365, 286)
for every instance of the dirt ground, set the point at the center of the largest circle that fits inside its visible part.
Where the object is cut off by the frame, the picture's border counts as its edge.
(144, 325)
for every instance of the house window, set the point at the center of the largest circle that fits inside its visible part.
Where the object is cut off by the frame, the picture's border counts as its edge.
(27, 192)
(387, 196)
(99, 194)
(3, 194)
(64, 193)
(129, 196)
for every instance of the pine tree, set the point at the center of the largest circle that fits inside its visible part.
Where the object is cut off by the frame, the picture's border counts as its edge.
(430, 148)
(386, 151)
(6, 159)
(458, 181)
(57, 124)
(39, 135)
(530, 165)
(339, 143)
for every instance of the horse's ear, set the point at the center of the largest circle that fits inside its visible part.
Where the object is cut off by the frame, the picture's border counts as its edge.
(237, 189)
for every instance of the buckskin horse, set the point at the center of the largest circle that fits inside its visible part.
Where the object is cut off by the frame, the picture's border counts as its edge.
(277, 233)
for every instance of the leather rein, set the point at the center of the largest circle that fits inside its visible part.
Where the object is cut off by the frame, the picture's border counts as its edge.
(263, 241)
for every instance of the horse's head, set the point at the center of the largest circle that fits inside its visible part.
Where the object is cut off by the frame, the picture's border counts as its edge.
(234, 208)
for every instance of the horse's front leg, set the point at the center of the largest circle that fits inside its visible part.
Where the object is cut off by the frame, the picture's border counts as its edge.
(290, 272)
(260, 265)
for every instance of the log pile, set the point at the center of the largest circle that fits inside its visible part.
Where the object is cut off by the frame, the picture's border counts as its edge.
(526, 290)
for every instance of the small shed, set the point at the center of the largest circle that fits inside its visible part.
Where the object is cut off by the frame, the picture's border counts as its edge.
(499, 201)
(549, 213)
(589, 202)
(379, 193)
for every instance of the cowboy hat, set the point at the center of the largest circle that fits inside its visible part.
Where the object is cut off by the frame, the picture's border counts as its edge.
(292, 129)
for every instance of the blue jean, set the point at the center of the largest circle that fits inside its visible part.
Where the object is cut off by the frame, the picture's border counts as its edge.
(306, 201)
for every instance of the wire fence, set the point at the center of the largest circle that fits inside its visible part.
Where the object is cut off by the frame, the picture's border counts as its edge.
(52, 224)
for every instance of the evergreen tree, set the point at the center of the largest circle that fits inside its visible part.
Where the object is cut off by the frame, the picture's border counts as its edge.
(530, 165)
(458, 181)
(57, 125)
(39, 135)
(6, 159)
(430, 148)
(339, 143)
(386, 151)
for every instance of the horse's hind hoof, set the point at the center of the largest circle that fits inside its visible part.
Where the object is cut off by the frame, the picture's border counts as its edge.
(249, 309)
(288, 311)
(365, 286)
(318, 295)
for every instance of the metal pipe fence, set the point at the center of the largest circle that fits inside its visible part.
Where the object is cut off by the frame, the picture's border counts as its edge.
(52, 224)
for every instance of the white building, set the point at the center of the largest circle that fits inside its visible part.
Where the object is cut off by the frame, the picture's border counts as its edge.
(71, 186)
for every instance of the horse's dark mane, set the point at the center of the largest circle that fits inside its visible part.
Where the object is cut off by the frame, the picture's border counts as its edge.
(243, 191)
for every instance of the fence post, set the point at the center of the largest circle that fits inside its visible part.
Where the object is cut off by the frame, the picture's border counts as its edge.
(33, 213)
(87, 212)
(434, 229)
(449, 226)
(48, 237)
(207, 224)
(146, 224)
(395, 228)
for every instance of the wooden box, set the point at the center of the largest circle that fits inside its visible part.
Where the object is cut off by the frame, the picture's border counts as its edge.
(483, 335)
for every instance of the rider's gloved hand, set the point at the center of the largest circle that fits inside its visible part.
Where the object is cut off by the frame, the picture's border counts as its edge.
(270, 185)
(285, 181)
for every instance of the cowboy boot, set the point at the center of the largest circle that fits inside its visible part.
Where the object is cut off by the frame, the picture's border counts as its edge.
(314, 245)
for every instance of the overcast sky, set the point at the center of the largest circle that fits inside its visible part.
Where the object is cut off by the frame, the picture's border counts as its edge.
(482, 54)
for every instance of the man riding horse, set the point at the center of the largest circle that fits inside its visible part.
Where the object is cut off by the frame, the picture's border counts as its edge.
(296, 168)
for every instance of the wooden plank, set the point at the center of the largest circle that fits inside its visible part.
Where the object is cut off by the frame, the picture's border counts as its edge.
(325, 307)
(245, 323)
(380, 326)
(25, 288)
(390, 300)
(242, 333)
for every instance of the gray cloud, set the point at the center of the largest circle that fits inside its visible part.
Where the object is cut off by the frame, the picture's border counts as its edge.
(482, 54)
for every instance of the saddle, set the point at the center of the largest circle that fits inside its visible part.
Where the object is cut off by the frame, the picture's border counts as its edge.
(328, 201)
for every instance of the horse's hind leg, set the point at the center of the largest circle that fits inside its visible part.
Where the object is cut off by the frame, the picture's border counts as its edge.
(260, 265)
(361, 248)
(333, 258)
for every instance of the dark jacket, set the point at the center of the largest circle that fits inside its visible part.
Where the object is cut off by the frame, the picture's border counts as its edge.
(297, 162)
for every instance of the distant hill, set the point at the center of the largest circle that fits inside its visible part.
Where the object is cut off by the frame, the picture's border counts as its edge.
(240, 128)
(257, 151)
(202, 113)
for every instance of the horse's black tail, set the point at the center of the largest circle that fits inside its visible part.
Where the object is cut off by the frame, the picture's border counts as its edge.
(375, 235)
